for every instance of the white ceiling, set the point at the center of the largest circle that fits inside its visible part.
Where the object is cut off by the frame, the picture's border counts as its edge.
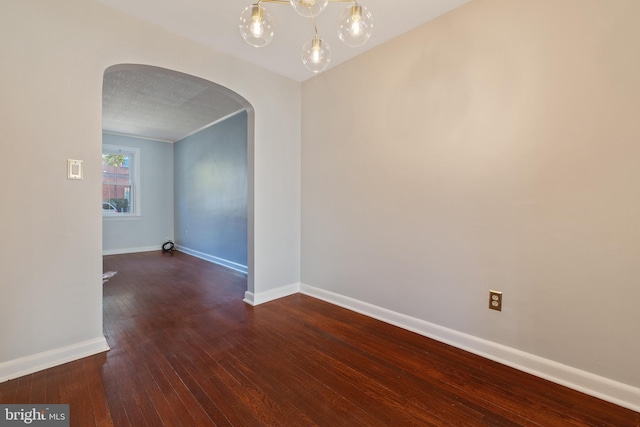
(165, 105)
(215, 23)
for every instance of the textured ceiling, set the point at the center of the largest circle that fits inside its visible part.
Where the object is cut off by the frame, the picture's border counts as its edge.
(215, 23)
(161, 104)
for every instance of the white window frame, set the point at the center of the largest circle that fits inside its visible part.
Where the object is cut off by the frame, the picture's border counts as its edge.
(134, 176)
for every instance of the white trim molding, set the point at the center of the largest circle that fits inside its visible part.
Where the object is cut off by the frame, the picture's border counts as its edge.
(48, 359)
(220, 261)
(272, 294)
(221, 119)
(603, 388)
(132, 250)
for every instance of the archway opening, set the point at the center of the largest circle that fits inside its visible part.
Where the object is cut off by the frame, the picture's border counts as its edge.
(177, 165)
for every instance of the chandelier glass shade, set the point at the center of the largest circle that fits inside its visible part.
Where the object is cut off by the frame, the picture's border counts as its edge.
(309, 8)
(316, 54)
(354, 28)
(256, 25)
(354, 25)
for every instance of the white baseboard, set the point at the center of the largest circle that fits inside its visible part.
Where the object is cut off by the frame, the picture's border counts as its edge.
(603, 388)
(48, 359)
(272, 294)
(223, 262)
(132, 250)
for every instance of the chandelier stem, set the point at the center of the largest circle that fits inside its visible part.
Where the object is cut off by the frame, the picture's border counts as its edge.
(315, 27)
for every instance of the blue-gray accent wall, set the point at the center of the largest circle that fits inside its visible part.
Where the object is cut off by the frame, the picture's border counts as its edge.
(210, 193)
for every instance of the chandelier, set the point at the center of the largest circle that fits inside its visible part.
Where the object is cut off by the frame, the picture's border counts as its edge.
(354, 28)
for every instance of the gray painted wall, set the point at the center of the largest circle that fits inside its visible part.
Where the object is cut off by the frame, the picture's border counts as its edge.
(211, 192)
(149, 230)
(503, 159)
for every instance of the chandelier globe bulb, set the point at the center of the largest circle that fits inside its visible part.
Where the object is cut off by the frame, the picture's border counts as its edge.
(256, 25)
(316, 54)
(355, 25)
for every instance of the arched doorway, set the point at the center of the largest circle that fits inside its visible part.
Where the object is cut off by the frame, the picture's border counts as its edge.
(210, 194)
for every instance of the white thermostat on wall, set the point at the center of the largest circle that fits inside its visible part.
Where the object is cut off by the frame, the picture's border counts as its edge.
(74, 169)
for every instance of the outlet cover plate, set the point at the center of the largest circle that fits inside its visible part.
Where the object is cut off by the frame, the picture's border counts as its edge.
(495, 300)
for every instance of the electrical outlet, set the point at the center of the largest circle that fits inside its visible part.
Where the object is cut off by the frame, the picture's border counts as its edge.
(495, 300)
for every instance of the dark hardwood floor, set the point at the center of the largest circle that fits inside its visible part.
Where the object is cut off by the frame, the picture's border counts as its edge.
(186, 351)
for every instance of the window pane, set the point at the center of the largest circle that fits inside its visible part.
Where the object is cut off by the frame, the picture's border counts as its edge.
(117, 196)
(117, 185)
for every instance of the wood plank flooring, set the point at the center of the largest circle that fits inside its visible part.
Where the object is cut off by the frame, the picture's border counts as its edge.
(186, 351)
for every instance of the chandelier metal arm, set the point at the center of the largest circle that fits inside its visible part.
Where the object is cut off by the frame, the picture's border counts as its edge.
(313, 18)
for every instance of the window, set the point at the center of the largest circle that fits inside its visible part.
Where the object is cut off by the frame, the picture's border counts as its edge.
(120, 184)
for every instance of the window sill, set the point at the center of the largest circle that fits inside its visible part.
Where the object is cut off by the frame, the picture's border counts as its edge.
(121, 217)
